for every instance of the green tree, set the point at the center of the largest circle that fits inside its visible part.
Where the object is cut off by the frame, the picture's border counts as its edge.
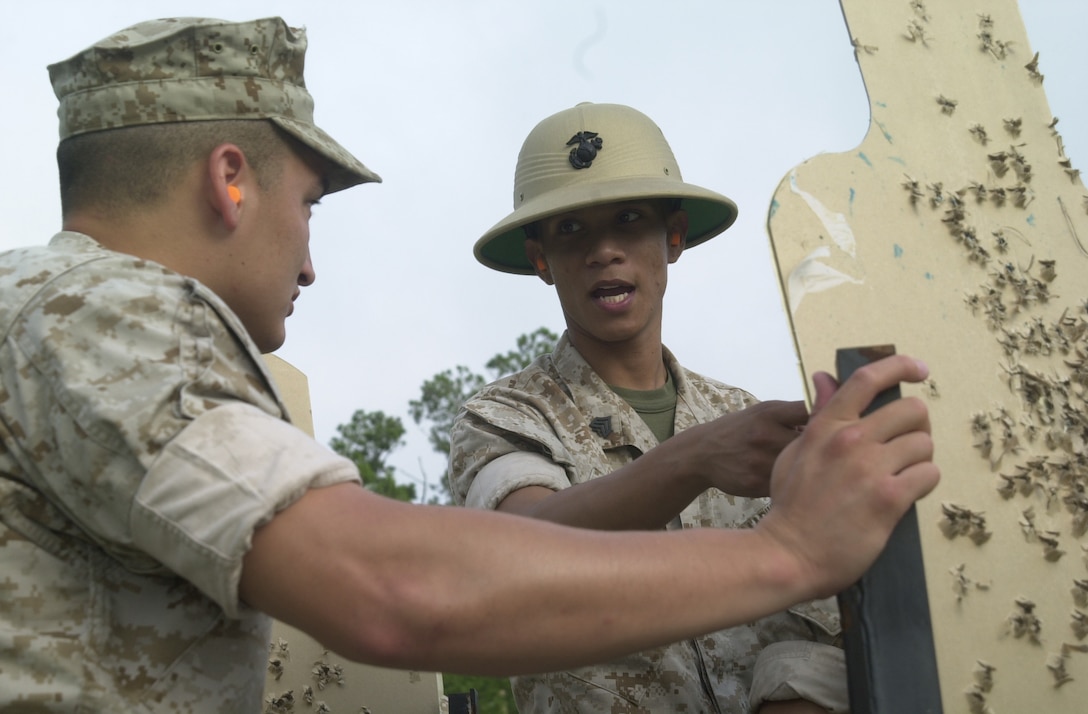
(529, 347)
(367, 440)
(493, 694)
(440, 398)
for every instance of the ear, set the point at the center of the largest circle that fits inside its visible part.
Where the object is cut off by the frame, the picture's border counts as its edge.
(228, 176)
(535, 253)
(676, 227)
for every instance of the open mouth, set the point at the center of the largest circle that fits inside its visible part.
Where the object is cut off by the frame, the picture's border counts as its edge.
(613, 294)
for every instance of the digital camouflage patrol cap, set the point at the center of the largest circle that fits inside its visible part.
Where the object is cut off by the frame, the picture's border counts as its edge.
(592, 154)
(198, 69)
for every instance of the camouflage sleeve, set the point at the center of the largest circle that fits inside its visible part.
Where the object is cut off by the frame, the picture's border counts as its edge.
(801, 670)
(498, 445)
(144, 403)
(226, 474)
(801, 656)
(510, 472)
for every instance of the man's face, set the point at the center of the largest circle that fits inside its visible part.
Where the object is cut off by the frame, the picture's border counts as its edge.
(609, 265)
(273, 256)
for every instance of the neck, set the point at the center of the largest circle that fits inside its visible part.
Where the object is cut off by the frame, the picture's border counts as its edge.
(634, 363)
(175, 238)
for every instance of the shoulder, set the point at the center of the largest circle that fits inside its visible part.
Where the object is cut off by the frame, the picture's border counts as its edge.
(28, 272)
(74, 290)
(710, 387)
(535, 409)
(85, 316)
(536, 383)
(558, 389)
(714, 393)
(73, 272)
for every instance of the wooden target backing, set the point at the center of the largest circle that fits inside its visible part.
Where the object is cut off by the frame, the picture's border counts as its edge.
(958, 232)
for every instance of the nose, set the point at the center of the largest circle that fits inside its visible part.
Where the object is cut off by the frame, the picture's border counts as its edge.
(307, 275)
(604, 248)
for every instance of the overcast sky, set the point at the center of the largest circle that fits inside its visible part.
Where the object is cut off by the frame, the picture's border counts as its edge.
(437, 97)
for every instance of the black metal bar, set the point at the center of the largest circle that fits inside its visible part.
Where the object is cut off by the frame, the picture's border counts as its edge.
(891, 660)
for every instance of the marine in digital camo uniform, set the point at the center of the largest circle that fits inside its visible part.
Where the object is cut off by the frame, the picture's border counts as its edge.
(558, 424)
(141, 438)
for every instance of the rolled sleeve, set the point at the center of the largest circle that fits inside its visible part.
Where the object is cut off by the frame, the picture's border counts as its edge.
(513, 471)
(222, 477)
(801, 670)
(489, 430)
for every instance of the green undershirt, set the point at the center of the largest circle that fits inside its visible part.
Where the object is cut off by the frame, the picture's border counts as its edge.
(657, 407)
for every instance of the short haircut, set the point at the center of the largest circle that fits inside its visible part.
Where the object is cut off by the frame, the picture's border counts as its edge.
(120, 169)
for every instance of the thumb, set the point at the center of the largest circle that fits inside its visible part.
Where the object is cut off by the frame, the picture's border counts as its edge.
(826, 386)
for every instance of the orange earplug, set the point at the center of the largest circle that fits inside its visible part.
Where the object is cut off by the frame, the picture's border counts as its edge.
(235, 194)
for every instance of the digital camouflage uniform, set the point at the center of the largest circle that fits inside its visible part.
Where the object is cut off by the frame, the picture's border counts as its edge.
(141, 444)
(142, 441)
(556, 424)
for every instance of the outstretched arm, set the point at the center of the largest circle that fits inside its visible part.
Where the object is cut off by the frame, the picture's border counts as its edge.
(457, 590)
(735, 453)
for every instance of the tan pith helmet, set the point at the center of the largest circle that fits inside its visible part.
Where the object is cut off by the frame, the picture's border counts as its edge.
(198, 69)
(591, 154)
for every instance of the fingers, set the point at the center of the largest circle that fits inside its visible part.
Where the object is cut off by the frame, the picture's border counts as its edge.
(780, 425)
(789, 415)
(912, 448)
(825, 386)
(900, 417)
(915, 481)
(855, 395)
(738, 450)
(771, 424)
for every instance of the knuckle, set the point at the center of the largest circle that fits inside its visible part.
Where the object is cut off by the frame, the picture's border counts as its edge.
(867, 376)
(923, 446)
(887, 494)
(847, 439)
(916, 407)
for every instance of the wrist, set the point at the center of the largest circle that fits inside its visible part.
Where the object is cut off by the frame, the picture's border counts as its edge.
(782, 567)
(689, 465)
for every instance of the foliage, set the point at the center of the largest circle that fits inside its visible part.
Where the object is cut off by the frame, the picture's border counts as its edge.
(442, 395)
(370, 437)
(367, 440)
(529, 347)
(493, 694)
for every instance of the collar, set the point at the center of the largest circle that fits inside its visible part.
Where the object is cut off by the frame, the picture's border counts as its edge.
(610, 417)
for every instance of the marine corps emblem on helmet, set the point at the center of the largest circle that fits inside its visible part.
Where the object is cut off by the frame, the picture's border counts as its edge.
(639, 165)
(581, 156)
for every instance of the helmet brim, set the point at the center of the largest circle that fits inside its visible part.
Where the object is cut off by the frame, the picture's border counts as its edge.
(345, 170)
(503, 246)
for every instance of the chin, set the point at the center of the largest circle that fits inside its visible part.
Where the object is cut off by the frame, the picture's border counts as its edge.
(270, 343)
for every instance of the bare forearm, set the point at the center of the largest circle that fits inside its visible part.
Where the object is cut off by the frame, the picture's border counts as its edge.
(734, 453)
(456, 590)
(643, 495)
